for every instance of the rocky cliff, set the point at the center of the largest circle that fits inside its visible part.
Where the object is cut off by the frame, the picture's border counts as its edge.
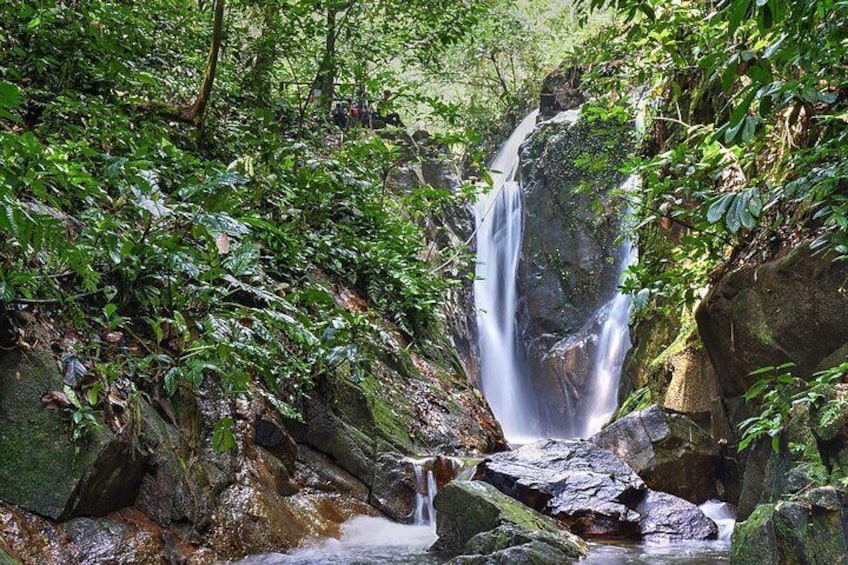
(569, 266)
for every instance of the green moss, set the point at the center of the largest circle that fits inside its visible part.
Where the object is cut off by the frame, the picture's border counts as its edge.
(754, 540)
(687, 329)
(39, 466)
(390, 423)
(470, 508)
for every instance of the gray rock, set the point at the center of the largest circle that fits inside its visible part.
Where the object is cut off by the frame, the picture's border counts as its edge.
(669, 451)
(567, 270)
(585, 487)
(667, 517)
(485, 526)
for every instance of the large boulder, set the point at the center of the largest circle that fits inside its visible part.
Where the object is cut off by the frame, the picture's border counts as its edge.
(593, 492)
(667, 450)
(583, 486)
(812, 529)
(477, 521)
(41, 469)
(788, 309)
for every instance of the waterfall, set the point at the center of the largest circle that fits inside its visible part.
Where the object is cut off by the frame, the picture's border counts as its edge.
(425, 492)
(723, 515)
(503, 373)
(613, 345)
(425, 471)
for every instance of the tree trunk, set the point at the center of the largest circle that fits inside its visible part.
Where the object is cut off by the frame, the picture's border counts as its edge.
(327, 81)
(196, 111)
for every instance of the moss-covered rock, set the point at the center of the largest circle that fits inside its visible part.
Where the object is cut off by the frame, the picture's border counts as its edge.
(41, 470)
(797, 465)
(474, 518)
(789, 309)
(812, 529)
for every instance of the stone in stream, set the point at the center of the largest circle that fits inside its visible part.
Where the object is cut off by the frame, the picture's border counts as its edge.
(592, 491)
(483, 526)
(585, 487)
(668, 451)
(667, 517)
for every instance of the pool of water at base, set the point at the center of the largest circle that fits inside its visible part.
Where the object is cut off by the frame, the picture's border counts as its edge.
(377, 541)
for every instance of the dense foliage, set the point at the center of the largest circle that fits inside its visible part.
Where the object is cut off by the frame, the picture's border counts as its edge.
(746, 112)
(746, 106)
(168, 250)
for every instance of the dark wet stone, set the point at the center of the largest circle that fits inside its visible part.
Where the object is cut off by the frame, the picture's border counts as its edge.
(667, 517)
(669, 451)
(585, 487)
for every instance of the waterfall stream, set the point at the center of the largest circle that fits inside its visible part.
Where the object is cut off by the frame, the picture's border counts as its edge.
(424, 471)
(613, 345)
(504, 373)
(504, 380)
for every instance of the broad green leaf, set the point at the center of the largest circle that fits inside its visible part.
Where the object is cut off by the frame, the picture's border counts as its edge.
(222, 436)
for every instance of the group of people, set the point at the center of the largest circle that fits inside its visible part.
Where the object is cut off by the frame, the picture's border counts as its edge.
(347, 113)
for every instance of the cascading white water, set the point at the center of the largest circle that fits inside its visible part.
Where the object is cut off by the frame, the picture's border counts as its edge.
(723, 515)
(503, 377)
(425, 492)
(426, 487)
(613, 345)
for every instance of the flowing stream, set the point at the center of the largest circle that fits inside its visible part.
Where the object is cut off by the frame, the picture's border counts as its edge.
(613, 345)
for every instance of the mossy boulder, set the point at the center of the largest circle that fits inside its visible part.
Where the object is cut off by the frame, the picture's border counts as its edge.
(795, 466)
(788, 309)
(812, 529)
(41, 470)
(477, 520)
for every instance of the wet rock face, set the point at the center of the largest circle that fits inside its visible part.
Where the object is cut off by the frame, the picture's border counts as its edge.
(567, 270)
(812, 529)
(668, 451)
(483, 525)
(667, 517)
(124, 537)
(792, 308)
(40, 468)
(593, 492)
(585, 487)
(561, 91)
